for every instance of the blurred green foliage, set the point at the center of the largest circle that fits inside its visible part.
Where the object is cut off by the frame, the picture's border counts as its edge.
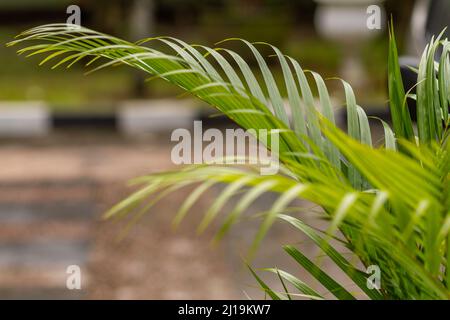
(286, 24)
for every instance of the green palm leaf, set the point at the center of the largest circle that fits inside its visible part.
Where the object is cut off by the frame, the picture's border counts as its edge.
(389, 206)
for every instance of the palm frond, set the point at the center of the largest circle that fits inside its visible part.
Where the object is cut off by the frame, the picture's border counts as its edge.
(390, 204)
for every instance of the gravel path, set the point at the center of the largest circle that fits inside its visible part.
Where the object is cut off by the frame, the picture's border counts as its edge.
(38, 184)
(52, 196)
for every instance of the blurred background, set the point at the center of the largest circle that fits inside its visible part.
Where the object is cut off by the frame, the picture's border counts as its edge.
(69, 142)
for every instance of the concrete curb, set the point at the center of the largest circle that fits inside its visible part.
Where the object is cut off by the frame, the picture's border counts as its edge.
(141, 116)
(24, 119)
(131, 118)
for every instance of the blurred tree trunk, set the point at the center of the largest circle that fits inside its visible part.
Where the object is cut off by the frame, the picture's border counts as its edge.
(401, 12)
(141, 25)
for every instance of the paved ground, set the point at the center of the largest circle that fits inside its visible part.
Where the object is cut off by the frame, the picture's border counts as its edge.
(52, 195)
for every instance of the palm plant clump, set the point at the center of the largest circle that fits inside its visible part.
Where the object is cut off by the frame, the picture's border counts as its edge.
(389, 205)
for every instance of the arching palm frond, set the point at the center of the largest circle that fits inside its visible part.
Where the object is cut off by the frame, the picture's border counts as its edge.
(391, 204)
